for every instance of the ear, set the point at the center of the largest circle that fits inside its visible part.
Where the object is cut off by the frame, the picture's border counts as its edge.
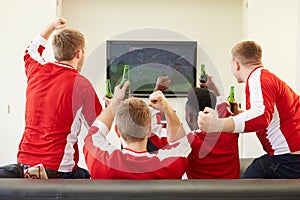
(78, 53)
(237, 65)
(117, 132)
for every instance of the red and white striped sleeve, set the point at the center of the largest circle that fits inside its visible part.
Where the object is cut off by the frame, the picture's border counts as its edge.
(33, 55)
(260, 100)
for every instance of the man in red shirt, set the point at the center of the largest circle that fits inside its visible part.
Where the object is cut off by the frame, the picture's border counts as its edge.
(215, 155)
(272, 111)
(59, 100)
(133, 124)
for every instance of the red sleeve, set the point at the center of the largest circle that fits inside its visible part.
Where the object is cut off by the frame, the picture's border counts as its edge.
(85, 96)
(91, 106)
(223, 109)
(159, 142)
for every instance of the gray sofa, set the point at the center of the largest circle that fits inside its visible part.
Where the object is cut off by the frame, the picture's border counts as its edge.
(25, 189)
(257, 189)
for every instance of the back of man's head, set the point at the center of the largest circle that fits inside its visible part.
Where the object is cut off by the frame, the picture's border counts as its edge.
(66, 42)
(247, 53)
(133, 119)
(199, 98)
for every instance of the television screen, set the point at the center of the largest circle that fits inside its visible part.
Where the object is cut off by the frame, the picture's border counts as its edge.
(148, 60)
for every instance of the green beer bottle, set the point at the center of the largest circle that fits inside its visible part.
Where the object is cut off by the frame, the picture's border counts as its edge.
(108, 92)
(231, 99)
(203, 78)
(125, 78)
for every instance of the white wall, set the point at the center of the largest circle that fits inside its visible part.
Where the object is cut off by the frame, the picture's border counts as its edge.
(20, 21)
(276, 29)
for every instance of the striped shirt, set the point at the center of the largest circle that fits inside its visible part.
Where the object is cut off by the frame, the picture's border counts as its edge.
(273, 112)
(59, 100)
(106, 161)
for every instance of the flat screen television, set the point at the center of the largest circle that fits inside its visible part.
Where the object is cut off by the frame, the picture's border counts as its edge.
(148, 60)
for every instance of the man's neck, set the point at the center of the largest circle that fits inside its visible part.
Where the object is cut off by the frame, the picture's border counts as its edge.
(71, 63)
(140, 146)
(249, 70)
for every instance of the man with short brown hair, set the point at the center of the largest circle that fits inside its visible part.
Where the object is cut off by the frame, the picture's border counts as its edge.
(59, 100)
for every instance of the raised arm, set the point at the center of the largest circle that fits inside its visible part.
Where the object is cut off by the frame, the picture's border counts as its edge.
(58, 23)
(33, 54)
(208, 119)
(107, 116)
(211, 85)
(175, 130)
(162, 83)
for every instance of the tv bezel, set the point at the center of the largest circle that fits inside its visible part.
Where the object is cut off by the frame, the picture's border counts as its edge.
(153, 42)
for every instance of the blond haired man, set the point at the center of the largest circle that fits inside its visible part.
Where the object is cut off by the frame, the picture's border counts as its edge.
(133, 124)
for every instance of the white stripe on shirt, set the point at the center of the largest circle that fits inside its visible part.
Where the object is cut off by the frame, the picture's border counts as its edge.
(275, 136)
(99, 138)
(34, 46)
(67, 162)
(257, 107)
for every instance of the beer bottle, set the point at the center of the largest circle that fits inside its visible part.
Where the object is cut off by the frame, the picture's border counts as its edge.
(108, 92)
(125, 78)
(203, 78)
(231, 99)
